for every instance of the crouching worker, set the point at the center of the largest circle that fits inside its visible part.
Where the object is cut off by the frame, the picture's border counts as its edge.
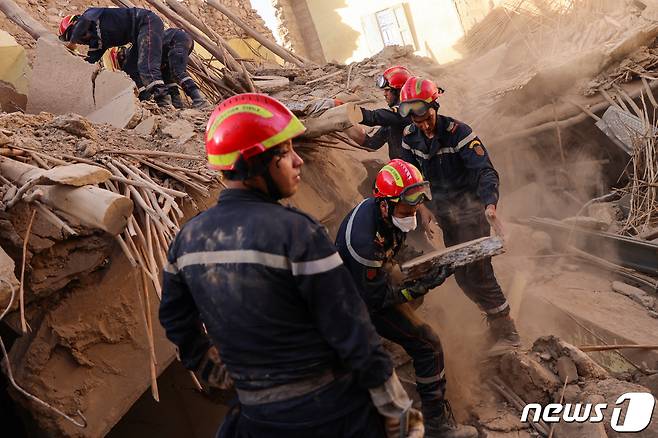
(369, 238)
(177, 46)
(104, 28)
(274, 296)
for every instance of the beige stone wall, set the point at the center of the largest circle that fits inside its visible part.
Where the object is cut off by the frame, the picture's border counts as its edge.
(225, 27)
(298, 30)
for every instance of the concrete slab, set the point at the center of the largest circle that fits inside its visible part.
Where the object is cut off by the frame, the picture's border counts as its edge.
(61, 82)
(64, 83)
(122, 111)
(11, 100)
(13, 63)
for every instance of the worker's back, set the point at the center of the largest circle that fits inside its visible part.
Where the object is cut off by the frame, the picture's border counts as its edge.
(243, 262)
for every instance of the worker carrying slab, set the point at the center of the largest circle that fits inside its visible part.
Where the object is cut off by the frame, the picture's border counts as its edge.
(389, 120)
(104, 28)
(464, 186)
(274, 296)
(368, 240)
(177, 45)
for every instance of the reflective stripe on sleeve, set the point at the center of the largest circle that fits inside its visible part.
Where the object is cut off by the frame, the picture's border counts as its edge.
(348, 241)
(316, 266)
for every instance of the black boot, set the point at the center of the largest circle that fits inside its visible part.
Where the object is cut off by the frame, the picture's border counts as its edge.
(176, 98)
(445, 426)
(191, 89)
(504, 335)
(161, 96)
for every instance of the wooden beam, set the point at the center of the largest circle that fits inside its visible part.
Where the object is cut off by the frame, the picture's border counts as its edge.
(24, 20)
(275, 48)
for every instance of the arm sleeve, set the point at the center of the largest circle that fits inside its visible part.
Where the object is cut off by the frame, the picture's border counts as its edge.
(381, 117)
(82, 27)
(340, 314)
(94, 55)
(378, 139)
(476, 160)
(407, 155)
(180, 317)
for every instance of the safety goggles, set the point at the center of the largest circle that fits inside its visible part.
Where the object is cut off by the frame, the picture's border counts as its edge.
(416, 193)
(382, 82)
(415, 107)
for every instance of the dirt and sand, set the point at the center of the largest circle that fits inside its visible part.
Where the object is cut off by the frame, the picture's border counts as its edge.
(88, 349)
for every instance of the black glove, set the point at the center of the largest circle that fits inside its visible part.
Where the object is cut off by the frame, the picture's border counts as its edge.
(410, 293)
(436, 276)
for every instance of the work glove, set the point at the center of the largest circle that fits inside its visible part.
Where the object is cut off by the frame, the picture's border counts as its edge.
(212, 372)
(436, 276)
(411, 422)
(393, 403)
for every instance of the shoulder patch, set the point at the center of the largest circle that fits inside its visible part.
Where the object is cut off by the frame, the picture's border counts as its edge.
(476, 145)
(452, 127)
(408, 130)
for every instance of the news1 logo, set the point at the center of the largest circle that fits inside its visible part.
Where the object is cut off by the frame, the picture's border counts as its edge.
(638, 413)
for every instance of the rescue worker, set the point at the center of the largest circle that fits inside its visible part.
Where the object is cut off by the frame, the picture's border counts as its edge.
(368, 240)
(176, 48)
(464, 188)
(274, 296)
(104, 28)
(390, 122)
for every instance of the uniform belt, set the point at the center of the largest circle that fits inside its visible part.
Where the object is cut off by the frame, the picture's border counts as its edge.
(285, 391)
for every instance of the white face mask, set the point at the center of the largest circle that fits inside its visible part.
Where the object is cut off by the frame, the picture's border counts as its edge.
(405, 224)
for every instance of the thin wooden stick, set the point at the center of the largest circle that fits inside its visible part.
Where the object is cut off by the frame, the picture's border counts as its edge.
(21, 294)
(590, 348)
(126, 251)
(142, 293)
(154, 154)
(148, 185)
(54, 219)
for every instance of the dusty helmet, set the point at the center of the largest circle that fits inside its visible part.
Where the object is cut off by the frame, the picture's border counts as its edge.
(65, 26)
(400, 181)
(247, 125)
(393, 77)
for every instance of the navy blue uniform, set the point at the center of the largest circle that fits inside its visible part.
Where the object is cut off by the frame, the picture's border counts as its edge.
(392, 126)
(281, 307)
(366, 244)
(463, 182)
(104, 28)
(176, 48)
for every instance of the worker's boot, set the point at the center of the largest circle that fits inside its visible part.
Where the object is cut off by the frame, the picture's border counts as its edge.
(176, 98)
(445, 426)
(191, 89)
(504, 335)
(161, 96)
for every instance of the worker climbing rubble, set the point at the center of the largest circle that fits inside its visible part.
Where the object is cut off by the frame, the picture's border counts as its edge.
(177, 46)
(464, 186)
(274, 296)
(368, 240)
(104, 28)
(388, 119)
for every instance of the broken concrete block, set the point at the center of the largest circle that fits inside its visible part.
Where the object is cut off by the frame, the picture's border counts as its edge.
(586, 222)
(586, 367)
(122, 112)
(605, 212)
(634, 293)
(74, 124)
(528, 378)
(11, 101)
(87, 148)
(147, 126)
(14, 69)
(567, 370)
(179, 129)
(61, 82)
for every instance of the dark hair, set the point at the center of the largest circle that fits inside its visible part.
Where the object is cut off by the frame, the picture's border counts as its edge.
(255, 166)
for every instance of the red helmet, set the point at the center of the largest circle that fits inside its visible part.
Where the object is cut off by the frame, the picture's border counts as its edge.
(417, 95)
(247, 125)
(403, 182)
(65, 25)
(394, 77)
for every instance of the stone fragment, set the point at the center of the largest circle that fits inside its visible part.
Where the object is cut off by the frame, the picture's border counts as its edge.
(528, 378)
(634, 293)
(147, 126)
(566, 369)
(179, 129)
(74, 124)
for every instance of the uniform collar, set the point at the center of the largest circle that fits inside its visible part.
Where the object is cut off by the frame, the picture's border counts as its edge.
(229, 195)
